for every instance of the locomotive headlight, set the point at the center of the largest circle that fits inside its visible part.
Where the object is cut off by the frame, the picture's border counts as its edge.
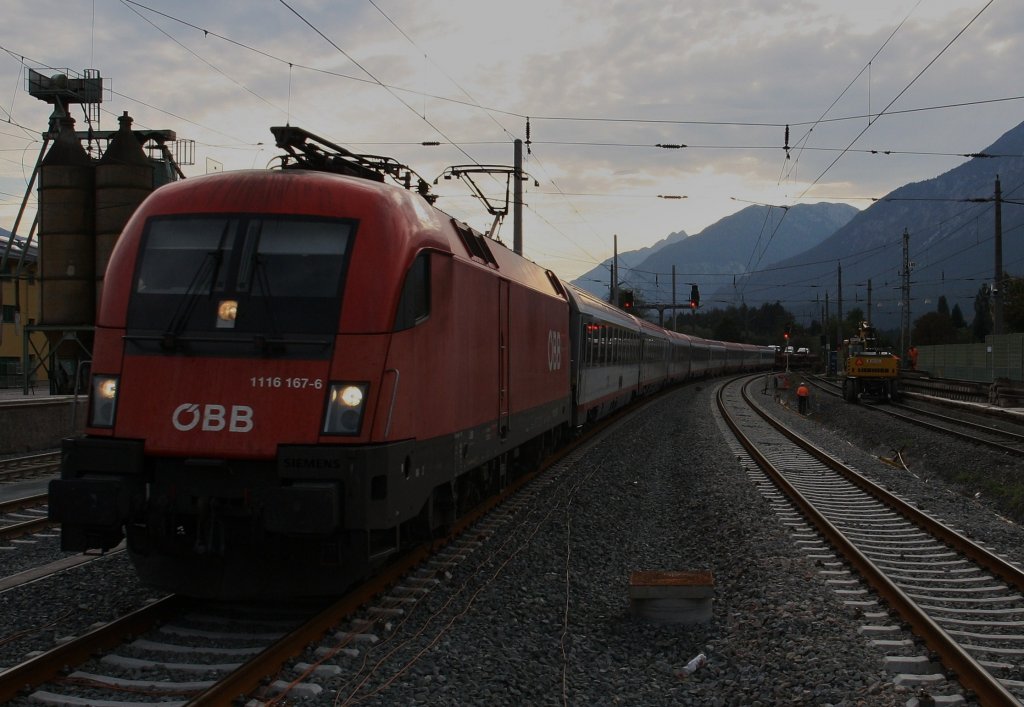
(107, 388)
(227, 310)
(103, 402)
(344, 414)
(351, 395)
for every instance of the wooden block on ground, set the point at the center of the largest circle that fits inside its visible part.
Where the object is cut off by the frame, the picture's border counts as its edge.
(672, 596)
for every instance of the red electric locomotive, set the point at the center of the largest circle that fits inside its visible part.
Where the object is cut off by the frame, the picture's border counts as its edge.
(296, 370)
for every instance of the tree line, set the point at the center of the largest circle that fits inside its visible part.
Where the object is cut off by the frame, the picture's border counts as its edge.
(765, 324)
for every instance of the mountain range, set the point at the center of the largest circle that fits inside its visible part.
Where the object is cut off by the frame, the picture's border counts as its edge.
(794, 256)
(756, 236)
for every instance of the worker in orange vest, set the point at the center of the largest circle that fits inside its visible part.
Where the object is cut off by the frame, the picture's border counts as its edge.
(802, 394)
(913, 358)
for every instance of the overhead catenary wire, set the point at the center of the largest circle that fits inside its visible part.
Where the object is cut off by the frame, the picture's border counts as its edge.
(889, 105)
(490, 114)
(24, 60)
(390, 91)
(393, 93)
(534, 208)
(558, 118)
(214, 67)
(898, 96)
(801, 142)
(870, 119)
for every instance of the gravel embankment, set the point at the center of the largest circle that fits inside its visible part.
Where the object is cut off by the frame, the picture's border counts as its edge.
(976, 489)
(664, 492)
(36, 617)
(545, 618)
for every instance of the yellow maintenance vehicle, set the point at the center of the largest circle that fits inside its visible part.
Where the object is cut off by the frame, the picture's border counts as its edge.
(871, 373)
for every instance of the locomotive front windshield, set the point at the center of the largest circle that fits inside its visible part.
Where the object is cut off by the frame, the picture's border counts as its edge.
(211, 283)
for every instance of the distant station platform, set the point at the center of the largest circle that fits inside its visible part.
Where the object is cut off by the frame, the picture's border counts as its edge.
(39, 391)
(38, 421)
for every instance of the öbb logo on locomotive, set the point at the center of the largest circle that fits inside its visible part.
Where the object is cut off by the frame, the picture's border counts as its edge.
(187, 415)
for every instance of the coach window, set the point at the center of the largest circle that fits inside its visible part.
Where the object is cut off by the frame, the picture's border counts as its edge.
(414, 305)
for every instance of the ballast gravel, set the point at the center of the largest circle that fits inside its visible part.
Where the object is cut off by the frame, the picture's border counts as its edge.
(538, 613)
(548, 622)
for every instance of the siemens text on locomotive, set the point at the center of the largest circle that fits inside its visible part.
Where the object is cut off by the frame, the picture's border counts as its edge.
(297, 371)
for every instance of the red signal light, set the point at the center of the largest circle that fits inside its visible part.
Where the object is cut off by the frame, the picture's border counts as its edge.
(693, 304)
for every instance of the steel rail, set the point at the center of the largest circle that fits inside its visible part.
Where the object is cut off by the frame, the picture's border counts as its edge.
(13, 468)
(47, 666)
(31, 460)
(1009, 434)
(1010, 573)
(999, 446)
(16, 530)
(966, 436)
(16, 504)
(969, 672)
(245, 679)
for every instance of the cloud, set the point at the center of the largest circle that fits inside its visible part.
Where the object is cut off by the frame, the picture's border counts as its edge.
(723, 78)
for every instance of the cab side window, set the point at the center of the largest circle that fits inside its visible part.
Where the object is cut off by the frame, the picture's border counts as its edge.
(414, 305)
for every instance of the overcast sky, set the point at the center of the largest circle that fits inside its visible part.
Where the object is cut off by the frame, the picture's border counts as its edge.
(603, 83)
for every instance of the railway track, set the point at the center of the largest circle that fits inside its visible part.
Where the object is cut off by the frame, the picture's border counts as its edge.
(29, 466)
(155, 654)
(167, 652)
(1001, 436)
(180, 650)
(962, 601)
(213, 654)
(24, 515)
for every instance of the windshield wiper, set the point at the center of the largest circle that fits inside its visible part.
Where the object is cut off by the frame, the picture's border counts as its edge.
(210, 265)
(274, 344)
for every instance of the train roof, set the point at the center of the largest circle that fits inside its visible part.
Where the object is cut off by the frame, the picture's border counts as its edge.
(586, 303)
(411, 225)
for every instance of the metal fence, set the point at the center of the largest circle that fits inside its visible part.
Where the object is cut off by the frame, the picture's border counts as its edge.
(1000, 357)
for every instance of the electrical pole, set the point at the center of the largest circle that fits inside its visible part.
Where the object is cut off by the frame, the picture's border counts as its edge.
(997, 283)
(517, 199)
(839, 310)
(828, 346)
(613, 297)
(905, 298)
(868, 317)
(675, 313)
